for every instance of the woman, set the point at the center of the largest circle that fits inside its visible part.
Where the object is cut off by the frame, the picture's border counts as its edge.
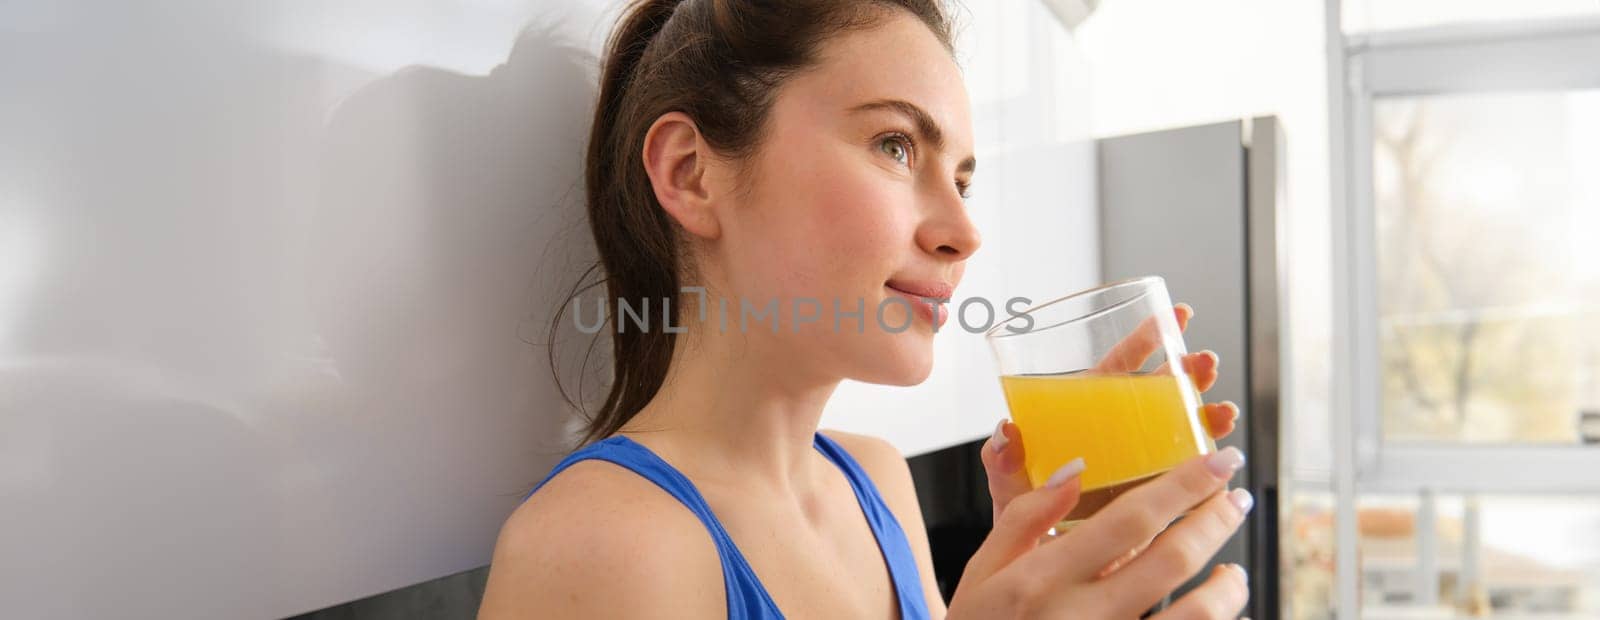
(780, 151)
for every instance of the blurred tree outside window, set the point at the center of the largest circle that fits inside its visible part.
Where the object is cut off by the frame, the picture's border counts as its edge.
(1488, 240)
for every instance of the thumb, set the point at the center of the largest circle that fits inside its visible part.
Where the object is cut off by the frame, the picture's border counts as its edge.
(1027, 518)
(1003, 459)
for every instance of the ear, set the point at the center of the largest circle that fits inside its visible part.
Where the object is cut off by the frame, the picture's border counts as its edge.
(676, 158)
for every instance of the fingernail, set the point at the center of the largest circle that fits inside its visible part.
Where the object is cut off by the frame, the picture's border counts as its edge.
(1215, 360)
(1186, 307)
(998, 439)
(1224, 462)
(1067, 472)
(1241, 499)
(1239, 569)
(1233, 406)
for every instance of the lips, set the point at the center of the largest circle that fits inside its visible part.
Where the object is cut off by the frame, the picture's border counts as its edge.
(928, 289)
(921, 294)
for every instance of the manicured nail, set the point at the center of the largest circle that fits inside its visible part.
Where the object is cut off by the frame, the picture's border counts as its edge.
(999, 439)
(1241, 499)
(1239, 569)
(1224, 462)
(1067, 472)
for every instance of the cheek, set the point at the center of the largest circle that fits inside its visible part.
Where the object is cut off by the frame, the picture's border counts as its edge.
(864, 218)
(827, 223)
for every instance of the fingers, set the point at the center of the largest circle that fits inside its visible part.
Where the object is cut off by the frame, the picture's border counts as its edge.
(1003, 459)
(1139, 514)
(1122, 561)
(1129, 354)
(1027, 518)
(1220, 418)
(1184, 548)
(1202, 368)
(1222, 595)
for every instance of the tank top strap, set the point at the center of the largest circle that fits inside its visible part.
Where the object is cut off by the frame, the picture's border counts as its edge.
(747, 598)
(892, 539)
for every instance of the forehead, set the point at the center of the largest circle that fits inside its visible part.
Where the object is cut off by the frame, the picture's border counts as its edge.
(897, 58)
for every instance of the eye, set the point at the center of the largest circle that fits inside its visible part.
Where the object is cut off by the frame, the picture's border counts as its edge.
(896, 146)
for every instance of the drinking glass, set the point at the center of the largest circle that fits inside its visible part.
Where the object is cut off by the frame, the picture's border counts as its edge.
(1098, 374)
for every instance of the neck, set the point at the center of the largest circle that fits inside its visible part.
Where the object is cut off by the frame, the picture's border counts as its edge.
(733, 410)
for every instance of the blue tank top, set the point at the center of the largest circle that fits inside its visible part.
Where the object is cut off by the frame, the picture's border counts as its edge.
(747, 599)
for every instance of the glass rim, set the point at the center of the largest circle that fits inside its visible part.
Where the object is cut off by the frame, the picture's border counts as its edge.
(994, 332)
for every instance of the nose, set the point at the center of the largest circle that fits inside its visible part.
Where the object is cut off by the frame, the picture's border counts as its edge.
(948, 234)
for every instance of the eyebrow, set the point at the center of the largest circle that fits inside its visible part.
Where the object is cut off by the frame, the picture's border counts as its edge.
(925, 125)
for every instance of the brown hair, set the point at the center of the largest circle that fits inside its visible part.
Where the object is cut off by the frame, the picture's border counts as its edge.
(720, 62)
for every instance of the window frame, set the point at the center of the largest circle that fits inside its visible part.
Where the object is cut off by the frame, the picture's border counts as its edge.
(1553, 54)
(1443, 61)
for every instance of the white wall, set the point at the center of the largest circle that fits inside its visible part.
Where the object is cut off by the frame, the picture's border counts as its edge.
(266, 270)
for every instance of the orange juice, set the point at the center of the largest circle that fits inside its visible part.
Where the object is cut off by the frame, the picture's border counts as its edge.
(1127, 428)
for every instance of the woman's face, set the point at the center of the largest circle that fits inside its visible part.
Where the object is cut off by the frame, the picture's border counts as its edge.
(855, 199)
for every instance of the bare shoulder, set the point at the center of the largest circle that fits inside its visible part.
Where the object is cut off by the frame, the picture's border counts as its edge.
(881, 460)
(892, 475)
(599, 541)
(889, 472)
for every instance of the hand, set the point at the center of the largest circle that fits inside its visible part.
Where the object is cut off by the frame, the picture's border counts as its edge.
(1003, 454)
(1088, 572)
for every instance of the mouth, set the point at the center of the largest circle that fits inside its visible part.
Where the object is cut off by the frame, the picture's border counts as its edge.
(930, 289)
(924, 297)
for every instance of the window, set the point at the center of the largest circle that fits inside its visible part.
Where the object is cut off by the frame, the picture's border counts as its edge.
(1455, 555)
(1488, 285)
(1466, 357)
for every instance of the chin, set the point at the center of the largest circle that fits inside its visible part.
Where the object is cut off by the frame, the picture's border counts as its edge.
(912, 377)
(907, 360)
